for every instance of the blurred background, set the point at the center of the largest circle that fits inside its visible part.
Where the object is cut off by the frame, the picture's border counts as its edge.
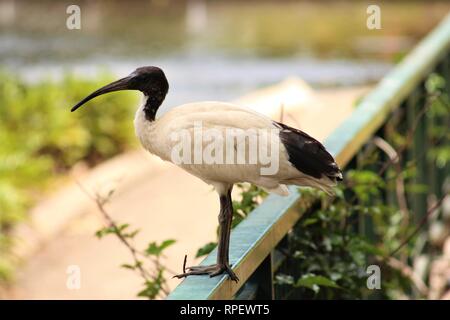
(223, 48)
(209, 50)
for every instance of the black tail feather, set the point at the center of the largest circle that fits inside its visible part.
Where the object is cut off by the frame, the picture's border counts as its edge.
(308, 155)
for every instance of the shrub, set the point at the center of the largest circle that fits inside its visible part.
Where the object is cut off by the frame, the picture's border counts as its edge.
(41, 139)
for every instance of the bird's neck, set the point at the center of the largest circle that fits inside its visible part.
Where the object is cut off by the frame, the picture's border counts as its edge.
(150, 107)
(145, 128)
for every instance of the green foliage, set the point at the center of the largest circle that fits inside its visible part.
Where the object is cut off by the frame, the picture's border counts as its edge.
(206, 249)
(146, 263)
(327, 257)
(153, 287)
(41, 138)
(154, 249)
(113, 229)
(337, 238)
(6, 270)
(365, 183)
(436, 115)
(313, 282)
(251, 197)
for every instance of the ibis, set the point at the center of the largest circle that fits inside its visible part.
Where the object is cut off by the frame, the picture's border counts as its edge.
(236, 145)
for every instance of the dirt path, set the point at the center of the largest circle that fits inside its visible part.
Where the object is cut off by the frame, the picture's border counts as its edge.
(164, 202)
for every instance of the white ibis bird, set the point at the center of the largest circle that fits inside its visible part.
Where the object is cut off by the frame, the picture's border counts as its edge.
(300, 159)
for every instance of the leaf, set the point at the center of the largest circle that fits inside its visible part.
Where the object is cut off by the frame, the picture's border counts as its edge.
(151, 290)
(284, 279)
(206, 249)
(104, 231)
(298, 254)
(131, 234)
(154, 249)
(153, 287)
(167, 243)
(314, 282)
(366, 247)
(111, 229)
(123, 227)
(309, 221)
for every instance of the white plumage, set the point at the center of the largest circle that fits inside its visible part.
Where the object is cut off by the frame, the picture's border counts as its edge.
(155, 137)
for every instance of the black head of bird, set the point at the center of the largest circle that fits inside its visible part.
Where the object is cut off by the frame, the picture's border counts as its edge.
(151, 81)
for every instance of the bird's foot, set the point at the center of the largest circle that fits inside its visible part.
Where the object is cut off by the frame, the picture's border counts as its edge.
(213, 270)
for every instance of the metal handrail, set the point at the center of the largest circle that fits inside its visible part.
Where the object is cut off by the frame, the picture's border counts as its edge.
(253, 241)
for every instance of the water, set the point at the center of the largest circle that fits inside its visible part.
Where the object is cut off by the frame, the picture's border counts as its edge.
(211, 49)
(225, 78)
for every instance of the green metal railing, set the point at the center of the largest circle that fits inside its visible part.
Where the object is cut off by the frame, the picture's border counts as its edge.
(255, 241)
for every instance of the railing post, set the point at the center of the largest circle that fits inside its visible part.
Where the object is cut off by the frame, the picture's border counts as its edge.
(395, 124)
(443, 173)
(260, 285)
(265, 279)
(417, 150)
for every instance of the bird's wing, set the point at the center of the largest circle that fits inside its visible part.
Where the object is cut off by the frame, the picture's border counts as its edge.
(307, 154)
(221, 114)
(229, 121)
(299, 155)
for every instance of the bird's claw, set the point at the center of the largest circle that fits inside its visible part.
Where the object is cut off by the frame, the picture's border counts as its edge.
(212, 270)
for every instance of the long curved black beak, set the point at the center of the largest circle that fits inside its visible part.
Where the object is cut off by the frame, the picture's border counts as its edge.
(121, 84)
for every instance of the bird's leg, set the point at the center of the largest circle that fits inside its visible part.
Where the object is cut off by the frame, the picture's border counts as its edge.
(222, 265)
(225, 219)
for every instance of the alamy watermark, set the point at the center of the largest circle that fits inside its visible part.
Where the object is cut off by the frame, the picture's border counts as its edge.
(227, 146)
(374, 19)
(73, 281)
(374, 279)
(73, 21)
